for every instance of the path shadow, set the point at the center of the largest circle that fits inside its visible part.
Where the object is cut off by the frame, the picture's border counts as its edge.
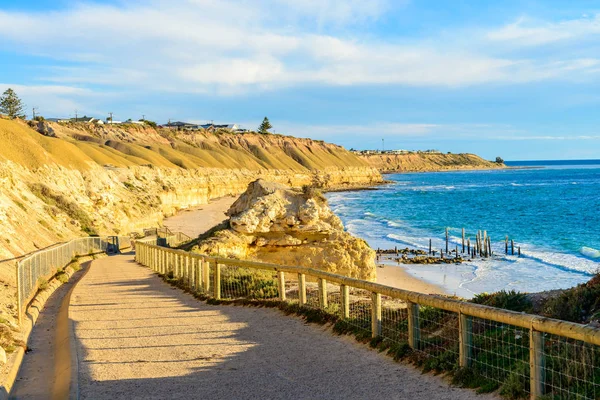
(277, 357)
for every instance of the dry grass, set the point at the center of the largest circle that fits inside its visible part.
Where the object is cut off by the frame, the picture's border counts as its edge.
(78, 148)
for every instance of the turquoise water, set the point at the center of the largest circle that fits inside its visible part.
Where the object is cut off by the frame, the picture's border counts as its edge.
(553, 213)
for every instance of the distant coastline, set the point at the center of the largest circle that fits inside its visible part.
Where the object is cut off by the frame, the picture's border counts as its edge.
(396, 162)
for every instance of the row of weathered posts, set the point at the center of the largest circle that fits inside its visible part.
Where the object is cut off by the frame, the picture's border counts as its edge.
(482, 246)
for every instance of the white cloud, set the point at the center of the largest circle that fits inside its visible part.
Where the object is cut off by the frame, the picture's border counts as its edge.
(526, 32)
(233, 46)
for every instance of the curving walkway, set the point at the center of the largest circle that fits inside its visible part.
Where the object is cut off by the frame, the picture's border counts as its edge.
(139, 338)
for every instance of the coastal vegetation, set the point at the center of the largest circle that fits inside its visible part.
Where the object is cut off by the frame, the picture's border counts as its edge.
(265, 126)
(11, 104)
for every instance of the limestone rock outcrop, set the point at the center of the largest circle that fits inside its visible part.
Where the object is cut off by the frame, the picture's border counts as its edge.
(271, 222)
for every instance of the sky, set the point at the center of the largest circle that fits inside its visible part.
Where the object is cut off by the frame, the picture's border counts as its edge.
(516, 79)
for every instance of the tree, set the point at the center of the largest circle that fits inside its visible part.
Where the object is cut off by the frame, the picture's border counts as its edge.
(11, 104)
(265, 126)
(150, 123)
(499, 160)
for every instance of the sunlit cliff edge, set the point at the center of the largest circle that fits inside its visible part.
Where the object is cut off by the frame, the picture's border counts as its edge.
(91, 179)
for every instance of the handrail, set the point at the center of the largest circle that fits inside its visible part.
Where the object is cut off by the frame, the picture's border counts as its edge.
(202, 272)
(567, 329)
(44, 263)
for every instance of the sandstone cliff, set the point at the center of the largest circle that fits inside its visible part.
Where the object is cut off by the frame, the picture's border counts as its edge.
(423, 162)
(273, 223)
(106, 180)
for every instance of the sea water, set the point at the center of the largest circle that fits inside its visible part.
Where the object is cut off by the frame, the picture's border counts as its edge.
(550, 209)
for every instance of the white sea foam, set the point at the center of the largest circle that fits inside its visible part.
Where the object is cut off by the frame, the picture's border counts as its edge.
(589, 252)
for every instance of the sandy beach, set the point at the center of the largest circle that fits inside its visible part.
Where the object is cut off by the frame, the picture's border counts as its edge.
(195, 221)
(396, 276)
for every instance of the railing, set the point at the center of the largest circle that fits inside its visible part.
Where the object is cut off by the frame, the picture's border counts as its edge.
(519, 353)
(166, 239)
(43, 264)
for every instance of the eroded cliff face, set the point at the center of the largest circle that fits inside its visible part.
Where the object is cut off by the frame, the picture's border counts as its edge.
(273, 223)
(423, 162)
(111, 181)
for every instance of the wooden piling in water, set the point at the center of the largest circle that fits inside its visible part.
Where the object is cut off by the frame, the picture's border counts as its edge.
(469, 246)
(446, 239)
(512, 246)
(519, 251)
(485, 253)
(463, 240)
(457, 251)
(506, 244)
(429, 246)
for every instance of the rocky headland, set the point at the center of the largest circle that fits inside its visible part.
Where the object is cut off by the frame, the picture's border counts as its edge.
(271, 222)
(427, 162)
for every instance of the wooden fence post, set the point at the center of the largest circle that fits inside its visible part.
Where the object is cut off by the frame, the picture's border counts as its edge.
(206, 275)
(323, 292)
(281, 285)
(537, 364)
(465, 332)
(345, 294)
(217, 280)
(198, 277)
(375, 314)
(191, 273)
(302, 289)
(414, 332)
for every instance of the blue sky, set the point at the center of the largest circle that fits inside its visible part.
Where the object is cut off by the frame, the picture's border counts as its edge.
(518, 79)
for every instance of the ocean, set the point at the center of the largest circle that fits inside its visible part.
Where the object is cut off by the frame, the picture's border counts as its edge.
(550, 208)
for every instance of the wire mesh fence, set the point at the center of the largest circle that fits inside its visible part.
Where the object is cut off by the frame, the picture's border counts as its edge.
(518, 354)
(572, 368)
(239, 282)
(38, 267)
(500, 353)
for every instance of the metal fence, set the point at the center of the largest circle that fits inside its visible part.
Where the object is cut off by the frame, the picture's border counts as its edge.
(517, 353)
(42, 265)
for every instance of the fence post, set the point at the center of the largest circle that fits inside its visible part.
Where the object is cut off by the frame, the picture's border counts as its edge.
(465, 332)
(537, 364)
(19, 294)
(217, 280)
(206, 275)
(414, 333)
(281, 284)
(197, 276)
(192, 273)
(302, 289)
(375, 314)
(186, 270)
(345, 293)
(323, 292)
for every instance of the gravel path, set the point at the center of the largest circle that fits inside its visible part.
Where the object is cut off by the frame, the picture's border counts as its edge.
(139, 338)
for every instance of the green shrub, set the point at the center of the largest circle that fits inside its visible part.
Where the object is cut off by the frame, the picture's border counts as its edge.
(579, 304)
(42, 284)
(512, 300)
(70, 208)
